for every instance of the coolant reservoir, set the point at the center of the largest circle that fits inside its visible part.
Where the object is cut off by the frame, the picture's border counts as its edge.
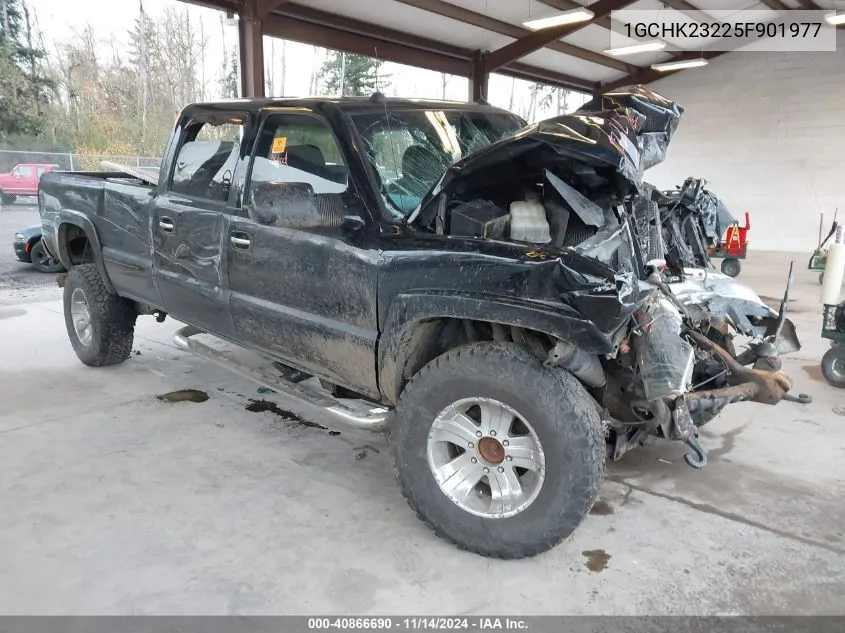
(528, 222)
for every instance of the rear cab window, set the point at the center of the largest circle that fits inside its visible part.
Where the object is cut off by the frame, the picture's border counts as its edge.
(205, 163)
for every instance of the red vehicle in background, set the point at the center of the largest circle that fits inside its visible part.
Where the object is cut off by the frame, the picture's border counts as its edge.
(22, 181)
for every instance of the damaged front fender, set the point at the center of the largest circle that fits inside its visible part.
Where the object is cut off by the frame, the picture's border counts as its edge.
(719, 299)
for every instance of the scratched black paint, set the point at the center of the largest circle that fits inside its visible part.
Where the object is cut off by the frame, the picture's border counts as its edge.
(334, 300)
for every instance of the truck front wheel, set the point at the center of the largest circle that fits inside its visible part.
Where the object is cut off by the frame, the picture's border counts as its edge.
(100, 324)
(496, 453)
(7, 198)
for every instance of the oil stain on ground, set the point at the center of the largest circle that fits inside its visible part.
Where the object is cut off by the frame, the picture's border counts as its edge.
(260, 406)
(596, 559)
(601, 508)
(814, 372)
(184, 395)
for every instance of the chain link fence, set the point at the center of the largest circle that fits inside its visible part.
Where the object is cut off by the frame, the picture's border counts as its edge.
(70, 161)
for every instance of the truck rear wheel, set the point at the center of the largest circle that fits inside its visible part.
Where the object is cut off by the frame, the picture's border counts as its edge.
(100, 324)
(496, 453)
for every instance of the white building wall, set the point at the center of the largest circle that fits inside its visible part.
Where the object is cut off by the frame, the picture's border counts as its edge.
(767, 131)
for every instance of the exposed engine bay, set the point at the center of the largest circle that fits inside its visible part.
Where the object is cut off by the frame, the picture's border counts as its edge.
(572, 189)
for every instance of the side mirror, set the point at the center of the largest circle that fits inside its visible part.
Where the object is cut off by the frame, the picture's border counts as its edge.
(290, 204)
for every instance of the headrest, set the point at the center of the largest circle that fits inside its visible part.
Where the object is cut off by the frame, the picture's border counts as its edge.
(310, 154)
(422, 163)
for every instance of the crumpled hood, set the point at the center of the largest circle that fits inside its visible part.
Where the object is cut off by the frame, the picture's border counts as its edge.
(626, 132)
(600, 139)
(715, 216)
(661, 117)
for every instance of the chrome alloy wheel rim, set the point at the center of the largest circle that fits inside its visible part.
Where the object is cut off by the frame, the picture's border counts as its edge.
(80, 314)
(486, 458)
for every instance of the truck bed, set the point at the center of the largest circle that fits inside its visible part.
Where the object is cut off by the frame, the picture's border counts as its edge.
(116, 204)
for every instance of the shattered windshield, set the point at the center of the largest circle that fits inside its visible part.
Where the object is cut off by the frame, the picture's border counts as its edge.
(410, 149)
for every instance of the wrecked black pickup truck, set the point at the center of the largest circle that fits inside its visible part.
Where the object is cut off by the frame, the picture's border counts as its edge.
(477, 286)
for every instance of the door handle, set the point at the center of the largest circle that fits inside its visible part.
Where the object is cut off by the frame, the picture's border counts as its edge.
(240, 240)
(167, 224)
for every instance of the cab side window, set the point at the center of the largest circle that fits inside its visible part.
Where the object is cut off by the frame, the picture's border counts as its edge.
(299, 148)
(205, 164)
(25, 171)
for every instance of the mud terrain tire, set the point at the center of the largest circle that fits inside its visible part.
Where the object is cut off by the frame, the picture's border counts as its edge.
(560, 412)
(111, 318)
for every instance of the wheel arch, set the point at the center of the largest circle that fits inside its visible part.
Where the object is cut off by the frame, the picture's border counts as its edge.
(421, 327)
(78, 243)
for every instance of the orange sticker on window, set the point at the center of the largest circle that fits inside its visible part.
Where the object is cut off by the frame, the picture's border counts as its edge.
(279, 144)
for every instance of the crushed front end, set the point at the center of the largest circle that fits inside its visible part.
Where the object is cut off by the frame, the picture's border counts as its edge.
(681, 365)
(608, 247)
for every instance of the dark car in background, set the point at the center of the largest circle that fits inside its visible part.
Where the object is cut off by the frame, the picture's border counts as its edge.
(30, 250)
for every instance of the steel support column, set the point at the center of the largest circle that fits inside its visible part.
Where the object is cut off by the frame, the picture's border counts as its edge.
(250, 40)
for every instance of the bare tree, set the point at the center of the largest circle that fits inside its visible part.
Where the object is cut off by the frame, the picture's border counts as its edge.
(315, 71)
(270, 68)
(284, 68)
(444, 81)
(510, 98)
(532, 107)
(203, 46)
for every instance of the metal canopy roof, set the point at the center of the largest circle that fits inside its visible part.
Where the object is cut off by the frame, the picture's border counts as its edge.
(471, 38)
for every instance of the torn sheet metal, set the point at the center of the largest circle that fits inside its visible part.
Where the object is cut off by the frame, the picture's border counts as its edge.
(604, 244)
(661, 117)
(716, 296)
(665, 360)
(590, 213)
(714, 215)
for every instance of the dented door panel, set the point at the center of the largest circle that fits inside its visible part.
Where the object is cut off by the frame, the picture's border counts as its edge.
(125, 235)
(189, 262)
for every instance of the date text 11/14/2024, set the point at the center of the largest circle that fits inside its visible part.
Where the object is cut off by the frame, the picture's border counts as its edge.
(418, 623)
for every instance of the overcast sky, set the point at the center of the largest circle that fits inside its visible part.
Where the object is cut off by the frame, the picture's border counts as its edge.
(113, 19)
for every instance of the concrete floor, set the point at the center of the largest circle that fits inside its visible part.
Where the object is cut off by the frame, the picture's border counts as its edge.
(112, 502)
